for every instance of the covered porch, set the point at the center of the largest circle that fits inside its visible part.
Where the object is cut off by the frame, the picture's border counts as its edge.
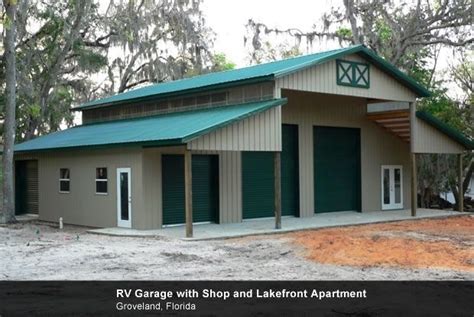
(266, 226)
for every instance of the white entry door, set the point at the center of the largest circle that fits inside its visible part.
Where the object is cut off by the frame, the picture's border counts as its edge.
(392, 187)
(124, 198)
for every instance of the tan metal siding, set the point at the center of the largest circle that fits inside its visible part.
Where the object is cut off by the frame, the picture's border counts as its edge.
(429, 140)
(378, 147)
(82, 206)
(230, 190)
(322, 78)
(230, 183)
(261, 132)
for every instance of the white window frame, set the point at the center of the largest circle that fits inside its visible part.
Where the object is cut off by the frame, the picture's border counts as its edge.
(102, 180)
(64, 180)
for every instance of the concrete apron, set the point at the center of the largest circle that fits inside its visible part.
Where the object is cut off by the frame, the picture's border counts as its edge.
(266, 226)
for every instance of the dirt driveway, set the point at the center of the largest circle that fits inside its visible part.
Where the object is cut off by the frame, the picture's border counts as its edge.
(419, 249)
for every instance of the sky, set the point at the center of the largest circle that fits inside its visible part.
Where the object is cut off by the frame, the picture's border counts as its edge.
(228, 20)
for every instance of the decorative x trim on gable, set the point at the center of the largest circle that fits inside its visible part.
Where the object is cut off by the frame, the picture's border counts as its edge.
(353, 74)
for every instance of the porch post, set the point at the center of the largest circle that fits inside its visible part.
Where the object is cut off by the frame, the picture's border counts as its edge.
(188, 192)
(460, 184)
(277, 167)
(414, 179)
(414, 185)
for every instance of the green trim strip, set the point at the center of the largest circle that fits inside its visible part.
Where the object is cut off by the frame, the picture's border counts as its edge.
(451, 132)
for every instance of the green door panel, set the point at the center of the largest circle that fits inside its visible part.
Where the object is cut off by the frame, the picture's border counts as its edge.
(289, 171)
(336, 169)
(21, 194)
(258, 190)
(173, 189)
(26, 187)
(205, 188)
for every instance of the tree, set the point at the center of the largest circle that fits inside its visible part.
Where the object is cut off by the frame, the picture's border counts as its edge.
(160, 41)
(8, 211)
(80, 50)
(397, 33)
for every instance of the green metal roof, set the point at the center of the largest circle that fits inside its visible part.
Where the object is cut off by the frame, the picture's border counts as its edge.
(256, 73)
(451, 132)
(166, 129)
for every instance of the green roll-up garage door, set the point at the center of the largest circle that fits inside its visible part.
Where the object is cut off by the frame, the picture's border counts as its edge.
(258, 190)
(289, 171)
(26, 187)
(205, 188)
(336, 169)
(258, 181)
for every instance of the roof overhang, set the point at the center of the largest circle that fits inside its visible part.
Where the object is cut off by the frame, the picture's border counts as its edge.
(168, 129)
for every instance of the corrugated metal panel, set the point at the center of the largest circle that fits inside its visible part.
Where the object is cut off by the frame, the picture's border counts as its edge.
(429, 140)
(322, 78)
(378, 147)
(452, 133)
(259, 72)
(212, 98)
(261, 132)
(230, 180)
(173, 128)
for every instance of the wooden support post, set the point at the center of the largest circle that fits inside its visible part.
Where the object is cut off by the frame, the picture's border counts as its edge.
(414, 179)
(414, 185)
(460, 184)
(188, 192)
(277, 166)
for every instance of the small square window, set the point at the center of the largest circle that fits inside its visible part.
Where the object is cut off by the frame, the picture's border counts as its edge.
(64, 180)
(101, 180)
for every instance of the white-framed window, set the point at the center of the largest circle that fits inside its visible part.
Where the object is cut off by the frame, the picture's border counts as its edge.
(64, 180)
(101, 180)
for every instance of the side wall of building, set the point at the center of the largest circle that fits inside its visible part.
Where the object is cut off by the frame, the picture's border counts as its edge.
(82, 206)
(378, 147)
(429, 140)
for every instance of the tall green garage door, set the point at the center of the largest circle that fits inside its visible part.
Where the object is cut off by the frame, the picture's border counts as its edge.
(336, 169)
(258, 192)
(205, 171)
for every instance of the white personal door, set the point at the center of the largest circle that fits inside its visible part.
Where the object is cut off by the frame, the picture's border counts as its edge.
(124, 198)
(392, 187)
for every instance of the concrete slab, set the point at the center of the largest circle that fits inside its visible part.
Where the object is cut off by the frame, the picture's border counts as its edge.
(26, 217)
(289, 224)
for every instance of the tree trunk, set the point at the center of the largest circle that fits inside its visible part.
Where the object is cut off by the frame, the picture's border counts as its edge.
(467, 179)
(8, 212)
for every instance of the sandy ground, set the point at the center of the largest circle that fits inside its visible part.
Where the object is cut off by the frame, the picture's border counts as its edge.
(38, 251)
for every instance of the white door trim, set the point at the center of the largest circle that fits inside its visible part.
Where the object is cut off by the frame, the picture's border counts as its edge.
(392, 204)
(120, 221)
